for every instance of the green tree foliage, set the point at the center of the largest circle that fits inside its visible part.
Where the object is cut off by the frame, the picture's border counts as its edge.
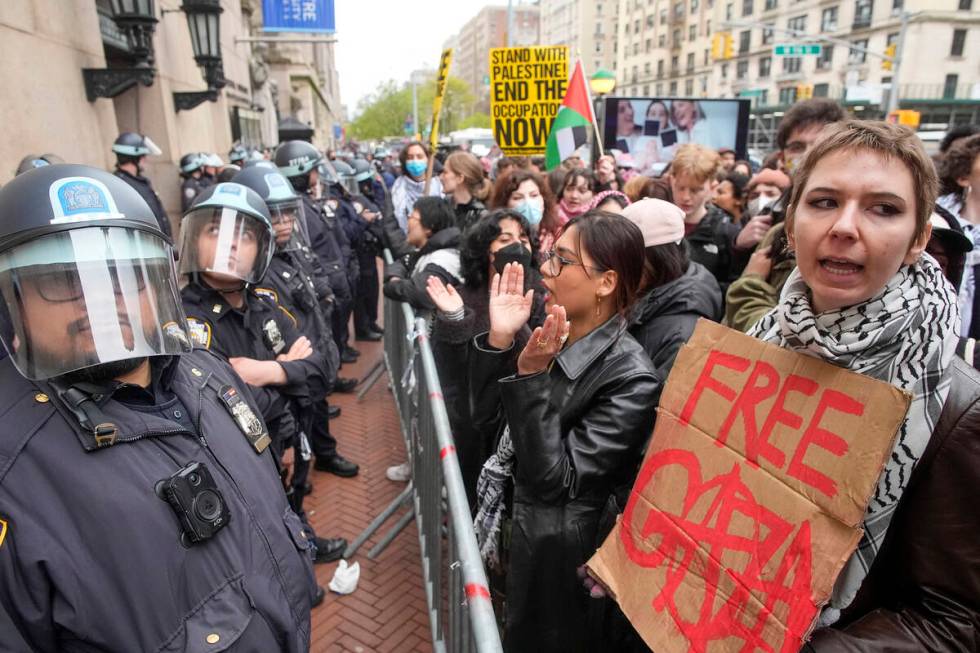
(481, 120)
(382, 114)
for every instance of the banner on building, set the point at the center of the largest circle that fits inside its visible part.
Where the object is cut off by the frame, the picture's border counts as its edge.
(527, 85)
(750, 498)
(313, 16)
(444, 62)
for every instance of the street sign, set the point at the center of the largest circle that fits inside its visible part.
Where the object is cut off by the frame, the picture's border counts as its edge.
(797, 49)
(313, 16)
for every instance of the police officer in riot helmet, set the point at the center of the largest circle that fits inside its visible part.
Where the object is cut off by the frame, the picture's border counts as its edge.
(131, 150)
(238, 154)
(300, 162)
(292, 283)
(191, 171)
(32, 161)
(138, 496)
(367, 199)
(227, 245)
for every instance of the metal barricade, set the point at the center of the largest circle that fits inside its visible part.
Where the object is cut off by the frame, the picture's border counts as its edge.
(460, 612)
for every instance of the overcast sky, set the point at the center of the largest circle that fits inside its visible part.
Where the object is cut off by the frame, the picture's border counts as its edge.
(378, 41)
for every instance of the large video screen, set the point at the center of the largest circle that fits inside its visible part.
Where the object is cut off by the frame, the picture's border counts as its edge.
(651, 129)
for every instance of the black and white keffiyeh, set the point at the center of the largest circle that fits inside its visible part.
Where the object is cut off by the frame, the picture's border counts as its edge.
(906, 335)
(491, 488)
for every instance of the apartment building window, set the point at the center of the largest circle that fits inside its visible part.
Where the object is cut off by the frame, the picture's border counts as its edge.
(636, 26)
(862, 13)
(949, 87)
(646, 90)
(724, 71)
(763, 98)
(635, 74)
(707, 56)
(694, 6)
(704, 85)
(787, 95)
(648, 45)
(650, 20)
(660, 88)
(746, 7)
(744, 39)
(679, 10)
(966, 5)
(791, 64)
(765, 65)
(767, 35)
(663, 16)
(959, 40)
(677, 38)
(646, 69)
(797, 24)
(674, 63)
(825, 59)
(707, 27)
(692, 32)
(821, 90)
(626, 28)
(897, 6)
(828, 20)
(598, 9)
(598, 47)
(636, 49)
(855, 57)
(771, 4)
(729, 9)
(662, 40)
(690, 62)
(689, 87)
(673, 88)
(742, 69)
(660, 68)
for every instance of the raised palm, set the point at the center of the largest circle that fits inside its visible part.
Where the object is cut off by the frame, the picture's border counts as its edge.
(510, 306)
(444, 296)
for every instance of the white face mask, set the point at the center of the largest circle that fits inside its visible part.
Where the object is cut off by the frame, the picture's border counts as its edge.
(758, 204)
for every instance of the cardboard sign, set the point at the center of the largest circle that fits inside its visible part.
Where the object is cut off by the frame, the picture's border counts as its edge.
(751, 495)
(527, 85)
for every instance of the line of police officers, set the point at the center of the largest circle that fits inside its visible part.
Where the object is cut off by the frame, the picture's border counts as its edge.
(144, 504)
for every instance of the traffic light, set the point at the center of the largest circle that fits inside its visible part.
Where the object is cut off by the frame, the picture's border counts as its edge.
(804, 92)
(887, 64)
(722, 45)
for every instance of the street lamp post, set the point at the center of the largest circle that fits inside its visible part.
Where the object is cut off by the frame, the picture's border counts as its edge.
(204, 22)
(137, 20)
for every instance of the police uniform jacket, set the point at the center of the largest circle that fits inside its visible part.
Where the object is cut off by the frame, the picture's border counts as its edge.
(91, 558)
(291, 286)
(261, 330)
(327, 249)
(142, 186)
(189, 189)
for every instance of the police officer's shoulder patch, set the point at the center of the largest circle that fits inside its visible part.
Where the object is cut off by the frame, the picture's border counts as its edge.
(269, 293)
(289, 315)
(3, 531)
(200, 332)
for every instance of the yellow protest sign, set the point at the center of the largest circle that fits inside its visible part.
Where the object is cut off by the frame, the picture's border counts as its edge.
(444, 62)
(527, 85)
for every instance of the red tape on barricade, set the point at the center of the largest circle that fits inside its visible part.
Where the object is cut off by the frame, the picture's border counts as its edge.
(477, 591)
(446, 451)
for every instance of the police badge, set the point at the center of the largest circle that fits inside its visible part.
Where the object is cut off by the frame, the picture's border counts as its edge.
(273, 337)
(248, 423)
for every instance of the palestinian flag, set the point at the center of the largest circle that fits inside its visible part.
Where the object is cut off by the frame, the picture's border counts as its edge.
(570, 129)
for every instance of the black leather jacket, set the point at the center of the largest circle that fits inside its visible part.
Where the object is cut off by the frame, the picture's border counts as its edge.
(578, 433)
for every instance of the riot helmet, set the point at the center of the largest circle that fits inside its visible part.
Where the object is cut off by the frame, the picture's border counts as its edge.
(32, 161)
(260, 163)
(297, 160)
(190, 163)
(362, 170)
(86, 276)
(226, 238)
(346, 176)
(227, 173)
(285, 205)
(130, 147)
(237, 154)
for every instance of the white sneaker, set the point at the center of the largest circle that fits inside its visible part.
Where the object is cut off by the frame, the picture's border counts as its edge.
(399, 473)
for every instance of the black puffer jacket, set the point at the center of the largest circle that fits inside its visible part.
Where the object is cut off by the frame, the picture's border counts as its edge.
(578, 432)
(439, 257)
(665, 317)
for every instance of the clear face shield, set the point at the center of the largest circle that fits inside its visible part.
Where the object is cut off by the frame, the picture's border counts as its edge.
(289, 225)
(350, 184)
(89, 296)
(229, 249)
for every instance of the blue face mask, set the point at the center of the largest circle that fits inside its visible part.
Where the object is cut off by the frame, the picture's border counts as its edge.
(533, 211)
(415, 167)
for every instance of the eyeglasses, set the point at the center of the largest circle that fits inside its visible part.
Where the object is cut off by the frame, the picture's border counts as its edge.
(66, 286)
(553, 259)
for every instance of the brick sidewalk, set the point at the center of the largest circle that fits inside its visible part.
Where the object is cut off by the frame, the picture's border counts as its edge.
(388, 610)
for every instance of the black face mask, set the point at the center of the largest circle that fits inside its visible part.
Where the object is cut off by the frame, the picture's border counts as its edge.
(513, 253)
